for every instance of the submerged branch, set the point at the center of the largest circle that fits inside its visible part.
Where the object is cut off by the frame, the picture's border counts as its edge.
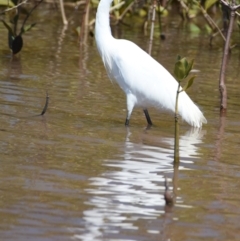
(46, 104)
(222, 86)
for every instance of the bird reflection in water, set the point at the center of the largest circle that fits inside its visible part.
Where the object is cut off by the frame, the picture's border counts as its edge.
(129, 196)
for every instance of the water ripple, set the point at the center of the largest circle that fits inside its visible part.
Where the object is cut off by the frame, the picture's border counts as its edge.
(132, 190)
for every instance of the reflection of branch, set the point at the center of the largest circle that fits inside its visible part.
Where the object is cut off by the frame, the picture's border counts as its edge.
(175, 180)
(220, 136)
(84, 26)
(9, 9)
(168, 194)
(60, 40)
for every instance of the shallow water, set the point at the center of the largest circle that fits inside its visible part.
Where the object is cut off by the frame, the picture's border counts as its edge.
(78, 173)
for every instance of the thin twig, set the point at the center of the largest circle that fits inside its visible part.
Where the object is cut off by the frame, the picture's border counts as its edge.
(25, 20)
(117, 6)
(9, 9)
(211, 21)
(64, 19)
(222, 86)
(233, 7)
(152, 27)
(126, 10)
(184, 6)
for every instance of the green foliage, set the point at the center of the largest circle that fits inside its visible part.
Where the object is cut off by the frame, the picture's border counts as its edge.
(209, 3)
(15, 41)
(194, 28)
(188, 84)
(7, 3)
(162, 10)
(142, 13)
(78, 30)
(182, 68)
(27, 28)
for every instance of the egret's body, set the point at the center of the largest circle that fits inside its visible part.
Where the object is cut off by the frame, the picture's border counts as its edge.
(144, 81)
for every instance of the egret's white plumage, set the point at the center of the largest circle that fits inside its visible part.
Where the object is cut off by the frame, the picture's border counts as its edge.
(144, 81)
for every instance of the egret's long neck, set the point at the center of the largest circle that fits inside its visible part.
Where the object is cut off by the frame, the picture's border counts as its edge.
(102, 27)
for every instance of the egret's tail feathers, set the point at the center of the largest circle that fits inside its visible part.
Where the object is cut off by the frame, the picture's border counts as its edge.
(190, 112)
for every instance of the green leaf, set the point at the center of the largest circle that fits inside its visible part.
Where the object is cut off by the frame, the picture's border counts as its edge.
(185, 62)
(27, 28)
(209, 3)
(163, 11)
(7, 3)
(178, 57)
(78, 30)
(142, 12)
(179, 70)
(188, 84)
(15, 2)
(194, 28)
(189, 67)
(209, 30)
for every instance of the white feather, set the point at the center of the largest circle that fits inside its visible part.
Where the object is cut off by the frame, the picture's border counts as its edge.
(144, 81)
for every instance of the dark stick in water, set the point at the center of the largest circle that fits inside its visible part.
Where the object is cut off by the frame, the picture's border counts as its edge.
(46, 104)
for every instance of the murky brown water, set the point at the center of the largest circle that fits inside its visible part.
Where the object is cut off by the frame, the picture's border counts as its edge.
(78, 173)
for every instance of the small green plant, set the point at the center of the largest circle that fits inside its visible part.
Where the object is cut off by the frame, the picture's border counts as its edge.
(181, 71)
(15, 40)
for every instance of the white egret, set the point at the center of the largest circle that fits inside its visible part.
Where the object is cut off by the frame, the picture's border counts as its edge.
(144, 81)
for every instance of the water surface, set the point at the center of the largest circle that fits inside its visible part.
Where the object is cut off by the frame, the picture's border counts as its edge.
(77, 173)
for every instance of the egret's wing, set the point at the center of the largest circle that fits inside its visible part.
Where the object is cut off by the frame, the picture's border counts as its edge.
(150, 82)
(144, 76)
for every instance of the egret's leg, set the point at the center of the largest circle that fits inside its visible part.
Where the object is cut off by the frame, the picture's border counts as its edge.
(147, 117)
(129, 112)
(131, 100)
